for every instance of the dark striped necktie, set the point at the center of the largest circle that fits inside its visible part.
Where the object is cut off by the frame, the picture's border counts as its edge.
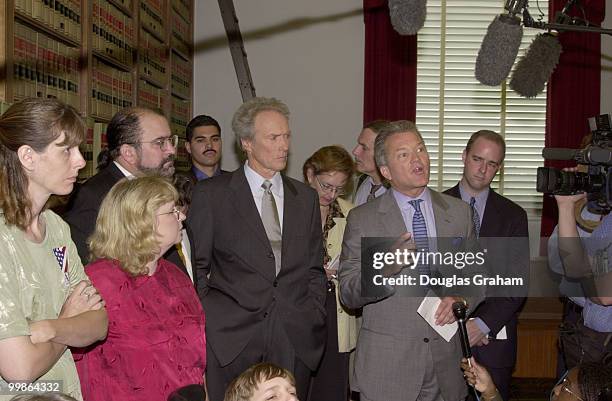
(475, 216)
(419, 233)
(373, 190)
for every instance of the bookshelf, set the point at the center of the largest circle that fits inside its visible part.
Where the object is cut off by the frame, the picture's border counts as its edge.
(100, 56)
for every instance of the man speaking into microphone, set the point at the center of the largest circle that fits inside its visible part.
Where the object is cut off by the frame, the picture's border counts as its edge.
(399, 356)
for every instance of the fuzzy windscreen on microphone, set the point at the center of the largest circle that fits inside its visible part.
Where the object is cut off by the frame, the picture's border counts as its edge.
(498, 50)
(407, 16)
(537, 65)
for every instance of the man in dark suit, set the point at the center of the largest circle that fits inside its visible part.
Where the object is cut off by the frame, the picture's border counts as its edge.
(139, 143)
(204, 146)
(496, 218)
(370, 184)
(258, 256)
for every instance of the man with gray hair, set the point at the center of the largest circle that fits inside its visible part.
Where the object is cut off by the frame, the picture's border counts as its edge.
(258, 257)
(399, 356)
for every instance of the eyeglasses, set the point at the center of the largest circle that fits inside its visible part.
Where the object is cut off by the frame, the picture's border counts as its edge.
(163, 142)
(330, 188)
(565, 386)
(176, 212)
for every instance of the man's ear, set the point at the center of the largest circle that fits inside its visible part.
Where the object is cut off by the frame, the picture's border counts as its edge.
(129, 154)
(463, 155)
(246, 146)
(27, 157)
(384, 170)
(188, 147)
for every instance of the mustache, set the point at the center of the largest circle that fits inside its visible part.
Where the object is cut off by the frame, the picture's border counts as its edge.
(209, 150)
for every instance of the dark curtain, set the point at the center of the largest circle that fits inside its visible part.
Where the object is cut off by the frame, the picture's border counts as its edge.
(390, 67)
(573, 92)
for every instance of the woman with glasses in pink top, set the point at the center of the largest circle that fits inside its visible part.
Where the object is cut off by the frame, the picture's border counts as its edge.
(155, 341)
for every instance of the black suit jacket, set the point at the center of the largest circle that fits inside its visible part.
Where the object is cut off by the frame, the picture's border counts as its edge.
(502, 218)
(84, 206)
(235, 267)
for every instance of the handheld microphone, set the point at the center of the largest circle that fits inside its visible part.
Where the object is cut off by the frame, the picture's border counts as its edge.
(460, 311)
(407, 16)
(535, 68)
(500, 45)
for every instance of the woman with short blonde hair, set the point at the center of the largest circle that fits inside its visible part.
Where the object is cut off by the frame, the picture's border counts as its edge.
(156, 338)
(123, 229)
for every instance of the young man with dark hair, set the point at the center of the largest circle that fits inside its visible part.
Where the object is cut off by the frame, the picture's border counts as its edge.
(204, 146)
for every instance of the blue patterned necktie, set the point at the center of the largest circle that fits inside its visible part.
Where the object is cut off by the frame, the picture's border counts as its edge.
(475, 216)
(419, 233)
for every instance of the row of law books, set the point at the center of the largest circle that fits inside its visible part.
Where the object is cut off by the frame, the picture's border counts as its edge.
(113, 32)
(43, 67)
(95, 141)
(62, 16)
(181, 77)
(151, 12)
(179, 116)
(111, 89)
(153, 57)
(183, 7)
(181, 34)
(150, 96)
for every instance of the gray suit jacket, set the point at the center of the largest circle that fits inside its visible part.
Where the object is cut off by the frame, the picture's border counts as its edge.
(395, 342)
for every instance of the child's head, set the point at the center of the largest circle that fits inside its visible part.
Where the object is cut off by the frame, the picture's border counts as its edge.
(260, 382)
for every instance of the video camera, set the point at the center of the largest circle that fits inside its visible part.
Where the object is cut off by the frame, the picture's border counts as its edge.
(597, 182)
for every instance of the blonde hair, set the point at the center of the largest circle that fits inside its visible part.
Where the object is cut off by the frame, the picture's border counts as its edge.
(243, 387)
(126, 225)
(36, 123)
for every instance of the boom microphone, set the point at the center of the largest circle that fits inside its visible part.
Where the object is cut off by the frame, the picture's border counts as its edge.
(407, 16)
(459, 310)
(537, 65)
(559, 153)
(500, 45)
(590, 155)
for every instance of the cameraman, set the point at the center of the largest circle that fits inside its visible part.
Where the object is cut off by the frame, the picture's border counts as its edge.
(589, 339)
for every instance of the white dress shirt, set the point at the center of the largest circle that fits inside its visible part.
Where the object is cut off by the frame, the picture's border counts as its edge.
(362, 193)
(255, 180)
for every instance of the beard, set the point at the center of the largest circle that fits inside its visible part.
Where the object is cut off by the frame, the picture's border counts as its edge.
(164, 171)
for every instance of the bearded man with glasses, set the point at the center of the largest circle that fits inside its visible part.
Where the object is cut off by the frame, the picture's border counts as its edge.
(139, 144)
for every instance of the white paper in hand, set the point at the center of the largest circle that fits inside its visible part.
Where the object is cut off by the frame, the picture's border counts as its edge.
(427, 310)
